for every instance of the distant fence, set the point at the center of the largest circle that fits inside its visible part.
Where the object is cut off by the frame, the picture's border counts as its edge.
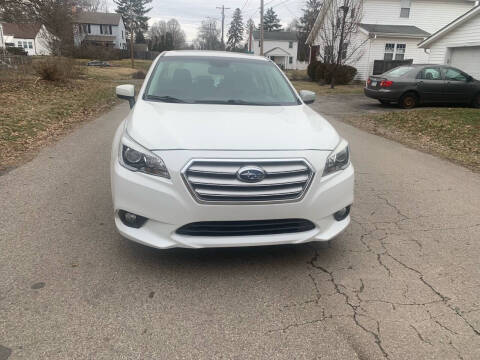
(12, 61)
(381, 66)
(141, 55)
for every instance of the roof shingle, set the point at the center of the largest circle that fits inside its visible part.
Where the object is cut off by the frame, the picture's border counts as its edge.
(86, 17)
(21, 31)
(398, 30)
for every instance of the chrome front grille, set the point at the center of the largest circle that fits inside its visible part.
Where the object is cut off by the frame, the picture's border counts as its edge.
(217, 181)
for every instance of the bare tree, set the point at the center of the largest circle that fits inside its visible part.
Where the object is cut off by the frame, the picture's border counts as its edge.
(55, 15)
(337, 35)
(93, 5)
(166, 35)
(208, 37)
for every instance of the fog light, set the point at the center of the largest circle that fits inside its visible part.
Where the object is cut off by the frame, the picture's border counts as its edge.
(131, 220)
(342, 214)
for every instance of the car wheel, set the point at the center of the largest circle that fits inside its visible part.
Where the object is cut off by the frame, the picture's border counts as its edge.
(384, 102)
(476, 101)
(409, 101)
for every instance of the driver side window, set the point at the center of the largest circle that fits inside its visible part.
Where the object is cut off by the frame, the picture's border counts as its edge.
(455, 75)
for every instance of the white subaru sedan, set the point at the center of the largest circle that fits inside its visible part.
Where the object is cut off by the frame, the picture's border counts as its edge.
(220, 150)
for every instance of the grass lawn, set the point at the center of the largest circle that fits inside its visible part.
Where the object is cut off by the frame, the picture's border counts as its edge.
(325, 89)
(35, 112)
(453, 133)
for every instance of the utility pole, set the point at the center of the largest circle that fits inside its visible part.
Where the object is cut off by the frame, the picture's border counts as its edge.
(223, 8)
(261, 28)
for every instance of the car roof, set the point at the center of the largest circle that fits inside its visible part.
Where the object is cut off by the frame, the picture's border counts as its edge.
(210, 53)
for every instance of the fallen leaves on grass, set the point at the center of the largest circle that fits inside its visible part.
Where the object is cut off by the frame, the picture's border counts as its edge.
(34, 113)
(453, 133)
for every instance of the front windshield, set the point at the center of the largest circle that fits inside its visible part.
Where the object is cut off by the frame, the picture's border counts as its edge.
(218, 80)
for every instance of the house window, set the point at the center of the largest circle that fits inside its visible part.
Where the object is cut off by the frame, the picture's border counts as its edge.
(400, 53)
(328, 54)
(123, 36)
(389, 50)
(290, 59)
(290, 44)
(405, 8)
(30, 45)
(19, 44)
(106, 29)
(25, 45)
(89, 30)
(345, 51)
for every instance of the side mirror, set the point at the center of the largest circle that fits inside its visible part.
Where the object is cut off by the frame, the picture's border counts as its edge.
(126, 92)
(307, 96)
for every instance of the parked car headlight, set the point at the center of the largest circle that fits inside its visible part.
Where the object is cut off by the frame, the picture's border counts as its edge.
(338, 159)
(135, 157)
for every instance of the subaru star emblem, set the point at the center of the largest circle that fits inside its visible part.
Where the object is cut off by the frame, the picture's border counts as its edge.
(251, 174)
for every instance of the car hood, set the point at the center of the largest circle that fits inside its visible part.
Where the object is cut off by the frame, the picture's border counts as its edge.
(167, 126)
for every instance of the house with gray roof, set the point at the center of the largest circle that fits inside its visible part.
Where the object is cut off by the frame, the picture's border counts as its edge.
(100, 29)
(279, 46)
(389, 30)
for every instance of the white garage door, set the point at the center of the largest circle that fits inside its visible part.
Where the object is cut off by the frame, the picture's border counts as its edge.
(467, 59)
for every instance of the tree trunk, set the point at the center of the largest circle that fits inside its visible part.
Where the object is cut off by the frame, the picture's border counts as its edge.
(131, 50)
(340, 46)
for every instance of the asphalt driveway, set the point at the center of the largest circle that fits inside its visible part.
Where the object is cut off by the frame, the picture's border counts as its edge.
(403, 282)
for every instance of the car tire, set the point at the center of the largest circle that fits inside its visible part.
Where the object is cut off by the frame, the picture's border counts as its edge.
(476, 101)
(384, 102)
(408, 100)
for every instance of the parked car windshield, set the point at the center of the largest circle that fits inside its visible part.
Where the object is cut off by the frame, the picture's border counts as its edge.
(218, 80)
(399, 71)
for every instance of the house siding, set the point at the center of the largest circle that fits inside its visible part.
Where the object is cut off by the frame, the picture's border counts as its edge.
(118, 41)
(270, 44)
(428, 15)
(467, 34)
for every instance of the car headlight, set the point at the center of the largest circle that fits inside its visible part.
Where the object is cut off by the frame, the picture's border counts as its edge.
(338, 159)
(135, 157)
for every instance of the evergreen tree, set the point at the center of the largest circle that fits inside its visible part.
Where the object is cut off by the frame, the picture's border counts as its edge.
(310, 13)
(271, 22)
(235, 32)
(139, 38)
(133, 14)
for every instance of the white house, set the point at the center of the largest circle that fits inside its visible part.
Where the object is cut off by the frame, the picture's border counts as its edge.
(31, 37)
(279, 46)
(102, 29)
(392, 29)
(457, 43)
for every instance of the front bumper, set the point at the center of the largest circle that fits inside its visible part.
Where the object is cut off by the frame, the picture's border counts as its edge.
(169, 205)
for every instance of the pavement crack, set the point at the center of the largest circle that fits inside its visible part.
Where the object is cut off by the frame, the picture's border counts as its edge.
(419, 335)
(356, 315)
(445, 299)
(379, 259)
(399, 212)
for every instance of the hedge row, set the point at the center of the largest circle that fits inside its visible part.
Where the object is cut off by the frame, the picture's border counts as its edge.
(324, 73)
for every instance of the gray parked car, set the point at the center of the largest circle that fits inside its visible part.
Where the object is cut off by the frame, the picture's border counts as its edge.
(411, 85)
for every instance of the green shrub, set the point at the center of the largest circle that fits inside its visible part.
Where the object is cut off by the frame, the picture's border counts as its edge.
(139, 75)
(98, 53)
(343, 74)
(311, 70)
(16, 50)
(56, 69)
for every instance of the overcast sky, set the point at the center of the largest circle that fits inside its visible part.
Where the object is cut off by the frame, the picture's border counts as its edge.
(190, 13)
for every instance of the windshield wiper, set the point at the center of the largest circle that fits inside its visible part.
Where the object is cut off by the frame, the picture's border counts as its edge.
(169, 99)
(230, 102)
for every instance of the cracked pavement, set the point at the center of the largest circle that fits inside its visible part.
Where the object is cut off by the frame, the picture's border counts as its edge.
(403, 282)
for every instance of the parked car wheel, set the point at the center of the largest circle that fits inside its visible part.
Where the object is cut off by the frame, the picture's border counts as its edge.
(476, 101)
(409, 100)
